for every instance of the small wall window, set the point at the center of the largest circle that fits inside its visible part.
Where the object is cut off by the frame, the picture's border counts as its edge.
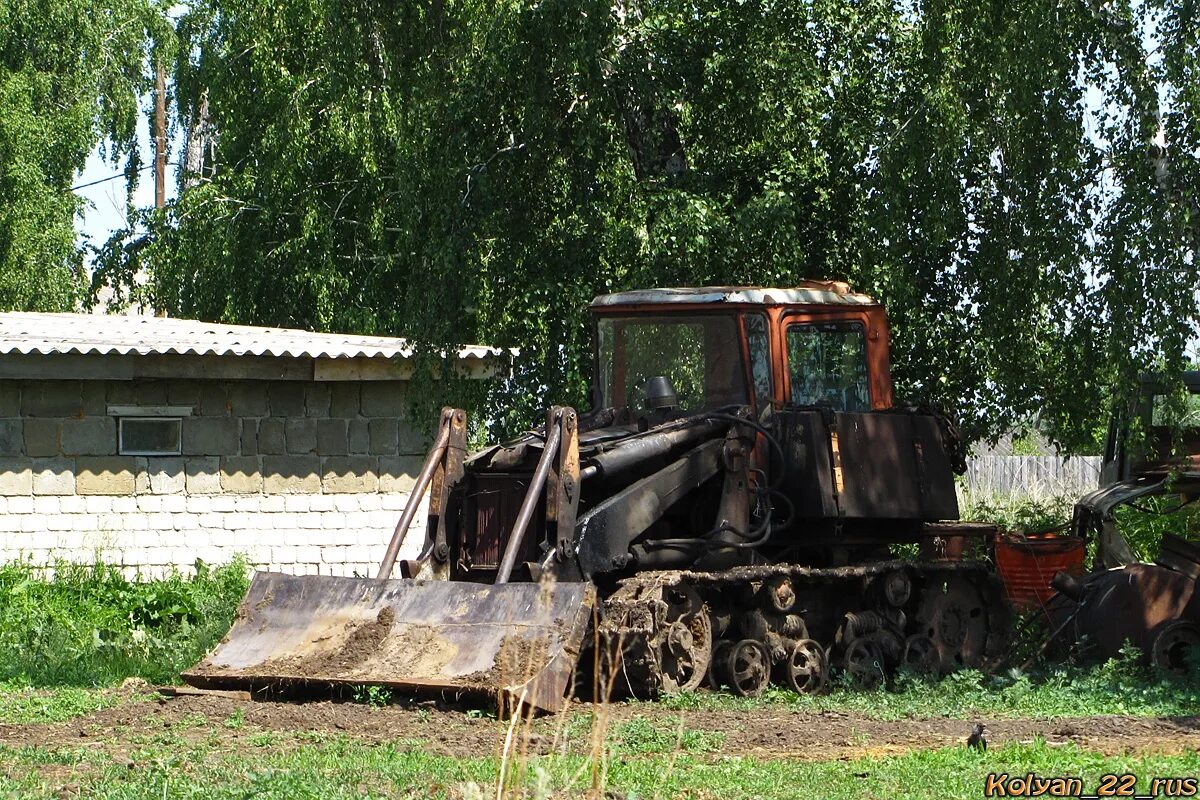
(149, 436)
(149, 430)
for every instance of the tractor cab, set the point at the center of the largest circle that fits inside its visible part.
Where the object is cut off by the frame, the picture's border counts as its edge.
(682, 351)
(810, 362)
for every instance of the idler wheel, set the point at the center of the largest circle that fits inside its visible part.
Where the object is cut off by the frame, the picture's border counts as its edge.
(806, 668)
(746, 667)
(865, 663)
(921, 654)
(1174, 646)
(952, 624)
(685, 645)
(964, 619)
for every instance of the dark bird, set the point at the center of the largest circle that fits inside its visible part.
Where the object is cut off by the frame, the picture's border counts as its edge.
(976, 740)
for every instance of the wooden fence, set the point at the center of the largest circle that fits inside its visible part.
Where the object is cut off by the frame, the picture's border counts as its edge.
(1034, 476)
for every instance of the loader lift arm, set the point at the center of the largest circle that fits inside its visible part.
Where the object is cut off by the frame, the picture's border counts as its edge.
(444, 467)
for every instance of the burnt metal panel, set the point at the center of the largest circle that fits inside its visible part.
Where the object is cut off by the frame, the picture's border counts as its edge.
(939, 500)
(809, 478)
(879, 467)
(492, 501)
(895, 466)
(1180, 555)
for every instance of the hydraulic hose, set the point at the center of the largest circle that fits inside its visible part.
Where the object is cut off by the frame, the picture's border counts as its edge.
(770, 437)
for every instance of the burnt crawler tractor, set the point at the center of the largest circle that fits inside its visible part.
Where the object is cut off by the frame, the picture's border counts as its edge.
(723, 515)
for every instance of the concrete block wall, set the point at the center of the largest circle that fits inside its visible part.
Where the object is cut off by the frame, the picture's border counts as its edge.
(302, 477)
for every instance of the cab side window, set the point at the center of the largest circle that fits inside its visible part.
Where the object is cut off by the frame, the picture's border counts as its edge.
(827, 365)
(760, 358)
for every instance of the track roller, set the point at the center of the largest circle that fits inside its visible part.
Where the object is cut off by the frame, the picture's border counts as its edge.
(745, 667)
(806, 669)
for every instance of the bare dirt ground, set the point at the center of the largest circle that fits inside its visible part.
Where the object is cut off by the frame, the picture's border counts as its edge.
(767, 732)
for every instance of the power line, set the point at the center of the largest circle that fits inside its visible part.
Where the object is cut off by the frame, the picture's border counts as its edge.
(111, 178)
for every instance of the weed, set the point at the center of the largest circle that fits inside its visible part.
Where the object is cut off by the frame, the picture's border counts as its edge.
(376, 696)
(1142, 523)
(1018, 512)
(363, 770)
(90, 625)
(192, 721)
(20, 704)
(236, 720)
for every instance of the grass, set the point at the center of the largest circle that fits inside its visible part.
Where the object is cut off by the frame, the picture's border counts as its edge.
(20, 704)
(341, 767)
(1120, 686)
(1025, 513)
(92, 627)
(89, 625)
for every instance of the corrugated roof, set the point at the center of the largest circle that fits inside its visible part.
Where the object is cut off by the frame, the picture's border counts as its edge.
(807, 293)
(50, 334)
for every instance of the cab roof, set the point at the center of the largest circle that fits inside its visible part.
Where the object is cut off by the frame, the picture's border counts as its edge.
(806, 293)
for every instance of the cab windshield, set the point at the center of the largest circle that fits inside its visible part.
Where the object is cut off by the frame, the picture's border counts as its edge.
(700, 355)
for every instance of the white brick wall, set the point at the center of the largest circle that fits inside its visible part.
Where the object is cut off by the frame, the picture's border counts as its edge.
(303, 534)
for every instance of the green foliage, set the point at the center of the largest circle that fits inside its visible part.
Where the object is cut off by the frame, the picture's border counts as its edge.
(347, 769)
(21, 704)
(377, 696)
(1026, 444)
(643, 736)
(1018, 512)
(467, 171)
(1144, 522)
(71, 72)
(89, 625)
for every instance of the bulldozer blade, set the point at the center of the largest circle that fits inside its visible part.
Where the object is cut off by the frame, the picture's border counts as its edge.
(520, 640)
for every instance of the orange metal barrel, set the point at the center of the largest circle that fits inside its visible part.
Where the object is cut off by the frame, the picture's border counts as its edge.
(1028, 563)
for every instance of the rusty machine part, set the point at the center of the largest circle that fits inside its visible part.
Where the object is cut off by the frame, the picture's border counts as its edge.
(719, 515)
(442, 635)
(1174, 648)
(1155, 606)
(961, 618)
(869, 643)
(1150, 606)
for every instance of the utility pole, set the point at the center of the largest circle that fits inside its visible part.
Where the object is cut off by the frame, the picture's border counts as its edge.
(160, 135)
(160, 149)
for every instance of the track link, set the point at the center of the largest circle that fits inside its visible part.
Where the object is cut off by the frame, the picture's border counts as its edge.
(798, 626)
